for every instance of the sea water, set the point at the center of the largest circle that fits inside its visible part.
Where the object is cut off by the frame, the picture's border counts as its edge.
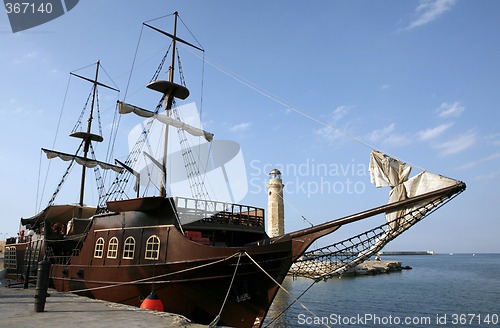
(448, 290)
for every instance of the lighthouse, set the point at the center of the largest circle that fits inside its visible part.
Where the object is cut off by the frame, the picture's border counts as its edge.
(275, 205)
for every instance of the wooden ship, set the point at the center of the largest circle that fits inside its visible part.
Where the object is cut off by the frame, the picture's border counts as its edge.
(210, 261)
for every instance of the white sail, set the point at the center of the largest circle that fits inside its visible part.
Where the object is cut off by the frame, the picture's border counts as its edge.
(425, 182)
(124, 108)
(387, 171)
(87, 162)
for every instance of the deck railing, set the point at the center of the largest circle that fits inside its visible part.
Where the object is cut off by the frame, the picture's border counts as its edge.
(209, 211)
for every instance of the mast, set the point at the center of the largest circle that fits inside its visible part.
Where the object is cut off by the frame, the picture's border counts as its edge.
(170, 90)
(169, 99)
(87, 139)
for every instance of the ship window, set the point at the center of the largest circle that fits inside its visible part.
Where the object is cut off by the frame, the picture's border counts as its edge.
(6, 259)
(10, 260)
(152, 248)
(13, 258)
(113, 248)
(129, 248)
(99, 247)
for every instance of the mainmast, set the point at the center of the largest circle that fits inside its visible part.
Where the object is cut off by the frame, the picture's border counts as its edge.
(169, 100)
(170, 90)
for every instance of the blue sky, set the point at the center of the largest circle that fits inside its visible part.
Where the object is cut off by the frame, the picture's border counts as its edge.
(419, 80)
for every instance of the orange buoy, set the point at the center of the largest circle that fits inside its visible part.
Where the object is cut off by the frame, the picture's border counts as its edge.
(152, 302)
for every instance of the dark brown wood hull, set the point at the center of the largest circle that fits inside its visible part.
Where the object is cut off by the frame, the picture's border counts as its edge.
(195, 288)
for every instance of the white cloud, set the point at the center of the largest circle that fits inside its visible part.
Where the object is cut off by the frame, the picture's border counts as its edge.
(330, 131)
(489, 176)
(458, 144)
(473, 164)
(339, 113)
(377, 135)
(27, 57)
(242, 127)
(450, 110)
(397, 139)
(493, 139)
(387, 136)
(433, 133)
(429, 10)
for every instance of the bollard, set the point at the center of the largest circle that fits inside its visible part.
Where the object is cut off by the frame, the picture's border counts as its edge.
(42, 285)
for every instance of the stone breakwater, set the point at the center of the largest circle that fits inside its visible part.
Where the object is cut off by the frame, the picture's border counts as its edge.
(377, 267)
(371, 267)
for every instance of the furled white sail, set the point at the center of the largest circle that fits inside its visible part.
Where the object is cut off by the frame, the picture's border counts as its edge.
(124, 108)
(87, 162)
(425, 182)
(387, 171)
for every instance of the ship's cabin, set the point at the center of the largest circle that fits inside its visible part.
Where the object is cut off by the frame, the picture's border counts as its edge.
(220, 223)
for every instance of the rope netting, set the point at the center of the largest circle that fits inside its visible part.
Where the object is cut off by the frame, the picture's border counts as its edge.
(335, 259)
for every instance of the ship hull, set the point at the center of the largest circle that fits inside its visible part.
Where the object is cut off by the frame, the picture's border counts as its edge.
(198, 289)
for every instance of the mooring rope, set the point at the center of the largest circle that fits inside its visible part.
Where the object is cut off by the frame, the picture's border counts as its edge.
(117, 284)
(285, 290)
(290, 305)
(217, 318)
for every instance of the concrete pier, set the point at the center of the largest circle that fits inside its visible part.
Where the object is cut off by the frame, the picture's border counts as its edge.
(69, 310)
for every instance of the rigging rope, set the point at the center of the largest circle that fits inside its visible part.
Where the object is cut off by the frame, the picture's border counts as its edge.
(168, 15)
(117, 188)
(196, 183)
(336, 259)
(293, 208)
(160, 66)
(98, 111)
(285, 103)
(284, 289)
(109, 77)
(194, 37)
(37, 206)
(65, 175)
(98, 177)
(133, 63)
(78, 123)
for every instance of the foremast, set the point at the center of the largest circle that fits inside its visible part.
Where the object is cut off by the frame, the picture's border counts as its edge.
(87, 138)
(88, 135)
